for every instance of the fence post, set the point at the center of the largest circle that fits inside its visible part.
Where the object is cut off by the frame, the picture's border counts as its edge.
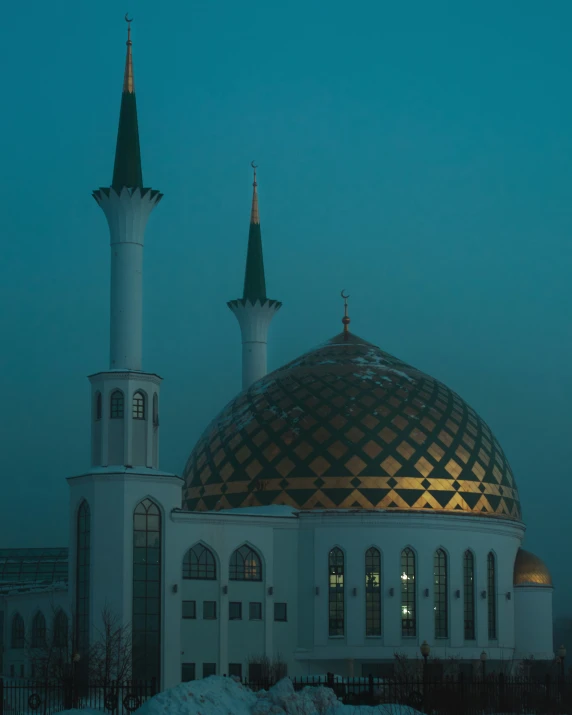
(546, 685)
(1, 696)
(370, 683)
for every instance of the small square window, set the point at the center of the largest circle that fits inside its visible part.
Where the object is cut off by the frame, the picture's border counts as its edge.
(21, 670)
(235, 611)
(12, 671)
(189, 609)
(209, 610)
(209, 668)
(255, 611)
(254, 672)
(187, 672)
(280, 612)
(235, 670)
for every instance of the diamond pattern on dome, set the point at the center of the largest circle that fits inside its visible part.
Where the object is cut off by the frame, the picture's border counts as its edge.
(348, 426)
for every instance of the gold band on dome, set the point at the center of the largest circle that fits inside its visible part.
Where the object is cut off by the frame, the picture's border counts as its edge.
(348, 426)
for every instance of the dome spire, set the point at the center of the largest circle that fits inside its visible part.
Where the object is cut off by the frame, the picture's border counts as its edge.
(254, 280)
(345, 319)
(127, 169)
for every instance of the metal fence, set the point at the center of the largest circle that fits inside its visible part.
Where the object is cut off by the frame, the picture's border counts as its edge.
(44, 698)
(451, 695)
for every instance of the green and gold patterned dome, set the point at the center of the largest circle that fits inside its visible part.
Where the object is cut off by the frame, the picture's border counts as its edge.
(347, 426)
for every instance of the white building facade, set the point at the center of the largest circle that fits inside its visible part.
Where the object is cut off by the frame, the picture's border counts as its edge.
(345, 508)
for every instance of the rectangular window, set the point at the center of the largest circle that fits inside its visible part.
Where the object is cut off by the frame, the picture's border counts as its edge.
(187, 672)
(235, 611)
(235, 670)
(280, 612)
(189, 609)
(12, 671)
(254, 672)
(21, 670)
(255, 611)
(209, 668)
(209, 611)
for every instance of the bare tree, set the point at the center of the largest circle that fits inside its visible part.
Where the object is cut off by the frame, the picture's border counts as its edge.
(111, 654)
(268, 670)
(50, 648)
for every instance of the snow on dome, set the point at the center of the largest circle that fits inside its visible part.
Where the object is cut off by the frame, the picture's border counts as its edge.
(218, 695)
(348, 426)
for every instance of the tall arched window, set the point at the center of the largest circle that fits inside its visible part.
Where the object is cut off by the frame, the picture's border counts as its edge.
(98, 405)
(492, 596)
(117, 405)
(408, 593)
(60, 630)
(156, 410)
(18, 633)
(372, 592)
(146, 591)
(138, 406)
(469, 594)
(199, 563)
(441, 595)
(245, 565)
(83, 537)
(39, 630)
(336, 592)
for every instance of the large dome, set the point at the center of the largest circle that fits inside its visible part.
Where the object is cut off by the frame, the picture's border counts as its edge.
(347, 426)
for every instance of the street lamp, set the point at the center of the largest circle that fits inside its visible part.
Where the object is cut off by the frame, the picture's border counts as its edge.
(562, 656)
(425, 650)
(484, 657)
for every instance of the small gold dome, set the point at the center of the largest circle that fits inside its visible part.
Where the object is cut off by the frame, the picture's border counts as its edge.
(529, 570)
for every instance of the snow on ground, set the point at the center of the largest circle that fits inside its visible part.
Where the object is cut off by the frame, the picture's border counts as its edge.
(217, 695)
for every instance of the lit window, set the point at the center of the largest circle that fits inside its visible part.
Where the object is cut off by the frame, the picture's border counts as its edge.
(336, 592)
(187, 672)
(117, 405)
(199, 563)
(98, 405)
(245, 565)
(408, 593)
(138, 406)
(440, 594)
(372, 592)
(18, 633)
(209, 669)
(469, 593)
(209, 610)
(189, 609)
(492, 596)
(235, 611)
(255, 611)
(280, 611)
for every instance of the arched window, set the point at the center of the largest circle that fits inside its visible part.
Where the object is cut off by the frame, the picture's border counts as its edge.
(147, 551)
(98, 405)
(199, 563)
(138, 406)
(18, 632)
(83, 537)
(492, 595)
(469, 594)
(39, 630)
(336, 592)
(60, 630)
(372, 592)
(408, 594)
(117, 405)
(245, 565)
(441, 595)
(156, 410)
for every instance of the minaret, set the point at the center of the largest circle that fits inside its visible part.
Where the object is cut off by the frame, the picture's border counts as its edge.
(125, 417)
(254, 310)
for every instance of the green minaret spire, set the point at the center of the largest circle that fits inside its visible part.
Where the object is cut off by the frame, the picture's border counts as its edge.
(254, 281)
(127, 168)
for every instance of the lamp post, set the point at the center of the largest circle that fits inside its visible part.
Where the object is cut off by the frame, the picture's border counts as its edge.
(75, 660)
(562, 656)
(484, 657)
(425, 650)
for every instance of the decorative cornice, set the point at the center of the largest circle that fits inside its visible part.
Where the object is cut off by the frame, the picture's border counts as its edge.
(127, 375)
(245, 302)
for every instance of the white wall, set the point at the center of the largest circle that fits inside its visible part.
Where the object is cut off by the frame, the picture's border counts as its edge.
(533, 622)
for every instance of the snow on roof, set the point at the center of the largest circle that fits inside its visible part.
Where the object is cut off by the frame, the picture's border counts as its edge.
(273, 510)
(217, 695)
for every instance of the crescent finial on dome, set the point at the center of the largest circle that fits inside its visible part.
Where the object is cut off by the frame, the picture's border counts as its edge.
(345, 319)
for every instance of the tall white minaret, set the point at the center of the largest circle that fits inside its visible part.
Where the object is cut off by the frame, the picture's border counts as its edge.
(125, 420)
(254, 311)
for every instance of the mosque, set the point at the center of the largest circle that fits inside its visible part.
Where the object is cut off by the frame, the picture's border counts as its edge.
(339, 510)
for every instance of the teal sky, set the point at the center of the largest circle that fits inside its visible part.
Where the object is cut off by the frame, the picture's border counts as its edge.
(417, 154)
